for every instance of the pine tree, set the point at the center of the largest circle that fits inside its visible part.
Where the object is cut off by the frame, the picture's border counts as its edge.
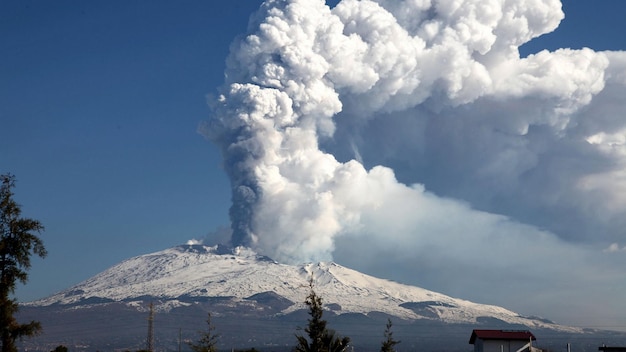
(389, 342)
(17, 243)
(208, 339)
(320, 338)
(333, 342)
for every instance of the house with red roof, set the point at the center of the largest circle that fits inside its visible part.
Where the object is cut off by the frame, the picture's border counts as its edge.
(503, 341)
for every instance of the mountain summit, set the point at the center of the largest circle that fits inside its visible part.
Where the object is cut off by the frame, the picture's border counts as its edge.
(255, 302)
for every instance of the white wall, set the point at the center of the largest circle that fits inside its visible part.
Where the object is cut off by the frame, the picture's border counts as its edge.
(498, 345)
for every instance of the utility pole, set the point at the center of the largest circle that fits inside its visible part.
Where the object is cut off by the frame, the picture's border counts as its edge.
(150, 340)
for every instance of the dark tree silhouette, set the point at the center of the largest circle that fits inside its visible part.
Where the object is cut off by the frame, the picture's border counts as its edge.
(320, 338)
(208, 338)
(389, 342)
(17, 243)
(59, 348)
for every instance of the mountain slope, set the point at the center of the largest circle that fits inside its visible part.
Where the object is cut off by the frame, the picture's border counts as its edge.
(182, 275)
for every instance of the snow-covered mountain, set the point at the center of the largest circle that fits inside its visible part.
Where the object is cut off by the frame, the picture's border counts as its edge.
(186, 274)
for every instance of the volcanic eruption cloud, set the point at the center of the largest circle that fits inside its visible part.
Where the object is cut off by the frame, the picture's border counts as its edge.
(411, 131)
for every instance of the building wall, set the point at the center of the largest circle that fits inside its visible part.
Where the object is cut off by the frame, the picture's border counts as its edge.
(478, 345)
(498, 345)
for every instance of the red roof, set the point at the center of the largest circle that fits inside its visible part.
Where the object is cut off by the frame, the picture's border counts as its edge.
(501, 335)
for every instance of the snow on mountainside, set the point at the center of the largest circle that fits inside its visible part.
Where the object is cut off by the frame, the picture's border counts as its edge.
(178, 275)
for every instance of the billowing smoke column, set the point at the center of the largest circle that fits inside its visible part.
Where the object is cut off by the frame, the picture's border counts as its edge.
(334, 123)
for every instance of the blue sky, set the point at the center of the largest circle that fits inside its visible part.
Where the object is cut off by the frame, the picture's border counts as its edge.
(100, 106)
(99, 109)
